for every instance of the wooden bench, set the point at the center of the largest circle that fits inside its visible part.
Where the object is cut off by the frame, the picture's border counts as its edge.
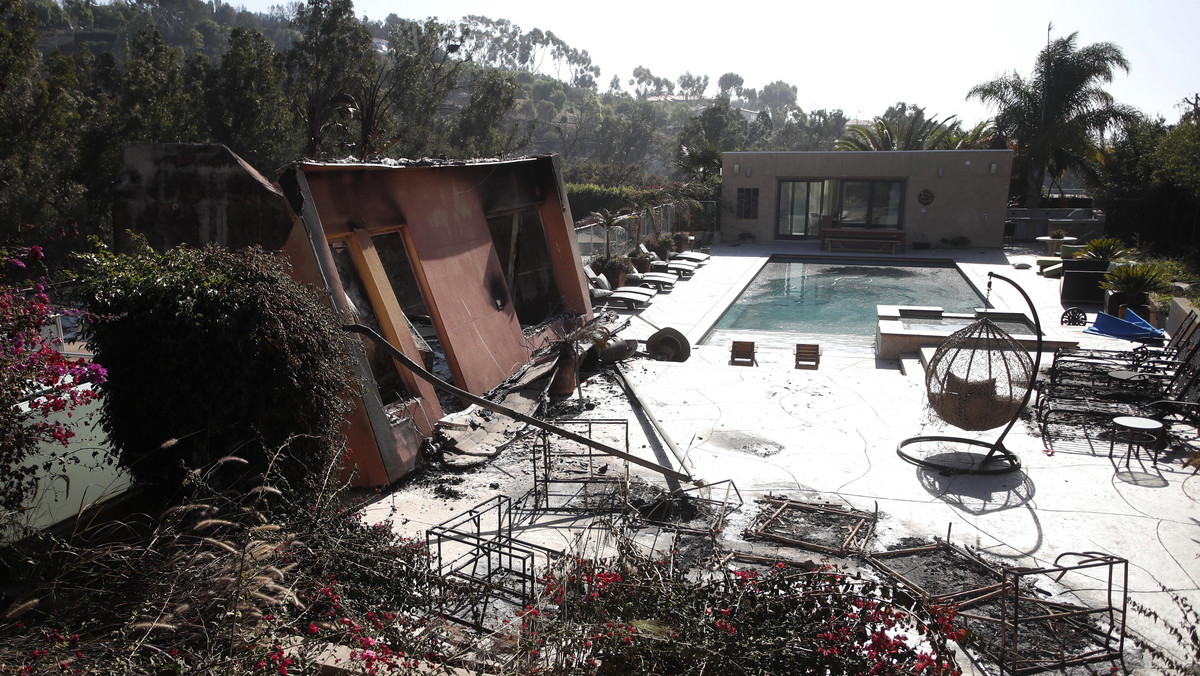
(857, 237)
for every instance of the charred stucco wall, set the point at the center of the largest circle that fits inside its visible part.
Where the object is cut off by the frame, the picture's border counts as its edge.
(442, 212)
(192, 194)
(177, 194)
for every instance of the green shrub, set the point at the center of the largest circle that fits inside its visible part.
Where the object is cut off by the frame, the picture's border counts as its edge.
(1137, 278)
(586, 198)
(1105, 249)
(213, 353)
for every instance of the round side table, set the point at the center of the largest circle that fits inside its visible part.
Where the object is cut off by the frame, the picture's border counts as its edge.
(1136, 433)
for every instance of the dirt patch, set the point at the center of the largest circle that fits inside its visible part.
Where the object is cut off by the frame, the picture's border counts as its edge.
(823, 528)
(678, 510)
(1047, 642)
(746, 443)
(940, 571)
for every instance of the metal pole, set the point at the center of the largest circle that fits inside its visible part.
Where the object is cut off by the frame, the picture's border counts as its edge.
(1037, 363)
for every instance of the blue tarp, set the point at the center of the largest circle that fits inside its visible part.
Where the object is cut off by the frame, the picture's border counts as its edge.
(1133, 328)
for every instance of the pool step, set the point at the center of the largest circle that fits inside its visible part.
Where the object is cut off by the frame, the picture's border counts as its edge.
(910, 365)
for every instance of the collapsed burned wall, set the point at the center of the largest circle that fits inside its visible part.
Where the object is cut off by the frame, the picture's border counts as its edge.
(194, 194)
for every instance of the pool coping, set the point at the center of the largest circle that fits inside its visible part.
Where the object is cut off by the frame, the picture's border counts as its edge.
(707, 324)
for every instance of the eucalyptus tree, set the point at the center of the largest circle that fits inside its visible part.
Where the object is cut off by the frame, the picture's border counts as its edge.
(482, 128)
(38, 118)
(400, 107)
(332, 58)
(1056, 118)
(729, 84)
(248, 110)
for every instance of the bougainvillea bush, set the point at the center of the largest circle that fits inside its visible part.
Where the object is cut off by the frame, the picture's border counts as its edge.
(36, 382)
(212, 352)
(637, 615)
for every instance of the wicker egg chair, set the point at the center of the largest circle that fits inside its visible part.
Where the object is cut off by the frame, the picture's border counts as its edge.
(978, 379)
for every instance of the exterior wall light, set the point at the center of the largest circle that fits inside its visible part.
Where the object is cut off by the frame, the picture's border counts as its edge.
(993, 167)
(736, 167)
(748, 170)
(941, 172)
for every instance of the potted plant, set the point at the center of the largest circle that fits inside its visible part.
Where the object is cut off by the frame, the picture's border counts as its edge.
(660, 244)
(680, 241)
(1130, 285)
(1058, 234)
(641, 262)
(1105, 249)
(614, 268)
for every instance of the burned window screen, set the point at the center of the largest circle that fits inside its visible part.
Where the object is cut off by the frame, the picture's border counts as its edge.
(383, 367)
(528, 270)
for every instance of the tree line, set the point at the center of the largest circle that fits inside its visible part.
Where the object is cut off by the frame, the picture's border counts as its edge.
(80, 80)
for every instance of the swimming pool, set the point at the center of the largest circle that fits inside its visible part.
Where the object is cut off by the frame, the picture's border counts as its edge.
(836, 300)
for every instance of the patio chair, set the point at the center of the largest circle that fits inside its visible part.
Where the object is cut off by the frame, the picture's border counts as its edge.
(663, 281)
(682, 268)
(630, 301)
(1077, 361)
(690, 256)
(600, 282)
(741, 353)
(808, 356)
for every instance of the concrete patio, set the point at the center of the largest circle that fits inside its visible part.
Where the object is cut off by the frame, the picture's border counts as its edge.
(831, 435)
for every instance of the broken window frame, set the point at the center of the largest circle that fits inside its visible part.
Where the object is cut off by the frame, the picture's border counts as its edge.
(380, 296)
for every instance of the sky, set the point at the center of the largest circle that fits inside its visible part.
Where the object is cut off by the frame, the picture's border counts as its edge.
(859, 56)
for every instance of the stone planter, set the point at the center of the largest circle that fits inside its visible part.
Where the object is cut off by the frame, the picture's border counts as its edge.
(641, 264)
(615, 277)
(1115, 300)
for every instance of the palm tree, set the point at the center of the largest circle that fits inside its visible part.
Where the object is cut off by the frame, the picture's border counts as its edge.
(1056, 119)
(914, 133)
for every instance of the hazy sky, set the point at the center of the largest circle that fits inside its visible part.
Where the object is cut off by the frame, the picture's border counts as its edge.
(858, 56)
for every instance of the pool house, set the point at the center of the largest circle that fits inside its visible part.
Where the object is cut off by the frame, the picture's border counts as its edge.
(888, 201)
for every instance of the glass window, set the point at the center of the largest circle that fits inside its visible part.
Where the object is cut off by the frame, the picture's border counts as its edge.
(885, 203)
(872, 204)
(747, 203)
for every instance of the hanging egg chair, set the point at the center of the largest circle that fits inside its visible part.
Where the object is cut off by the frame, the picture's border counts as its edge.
(978, 379)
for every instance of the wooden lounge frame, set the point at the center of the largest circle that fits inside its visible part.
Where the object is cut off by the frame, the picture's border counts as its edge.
(808, 356)
(741, 353)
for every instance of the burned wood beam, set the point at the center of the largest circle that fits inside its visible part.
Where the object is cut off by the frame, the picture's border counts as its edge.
(438, 383)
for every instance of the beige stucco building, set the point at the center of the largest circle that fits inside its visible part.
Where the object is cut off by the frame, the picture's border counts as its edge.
(933, 197)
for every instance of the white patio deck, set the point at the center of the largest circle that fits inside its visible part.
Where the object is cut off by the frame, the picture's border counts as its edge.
(831, 435)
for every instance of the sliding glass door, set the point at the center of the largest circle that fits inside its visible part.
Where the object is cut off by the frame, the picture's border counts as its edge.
(802, 205)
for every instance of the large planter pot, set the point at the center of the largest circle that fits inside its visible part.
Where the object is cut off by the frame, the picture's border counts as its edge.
(1115, 299)
(642, 265)
(615, 277)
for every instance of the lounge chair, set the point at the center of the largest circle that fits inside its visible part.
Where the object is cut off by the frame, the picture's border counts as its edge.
(663, 281)
(682, 268)
(1181, 342)
(690, 256)
(630, 301)
(808, 356)
(741, 353)
(601, 282)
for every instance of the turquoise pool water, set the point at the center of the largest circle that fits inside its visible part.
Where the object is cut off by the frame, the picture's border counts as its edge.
(838, 298)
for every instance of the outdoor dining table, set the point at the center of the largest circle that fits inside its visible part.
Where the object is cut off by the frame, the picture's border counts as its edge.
(1054, 244)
